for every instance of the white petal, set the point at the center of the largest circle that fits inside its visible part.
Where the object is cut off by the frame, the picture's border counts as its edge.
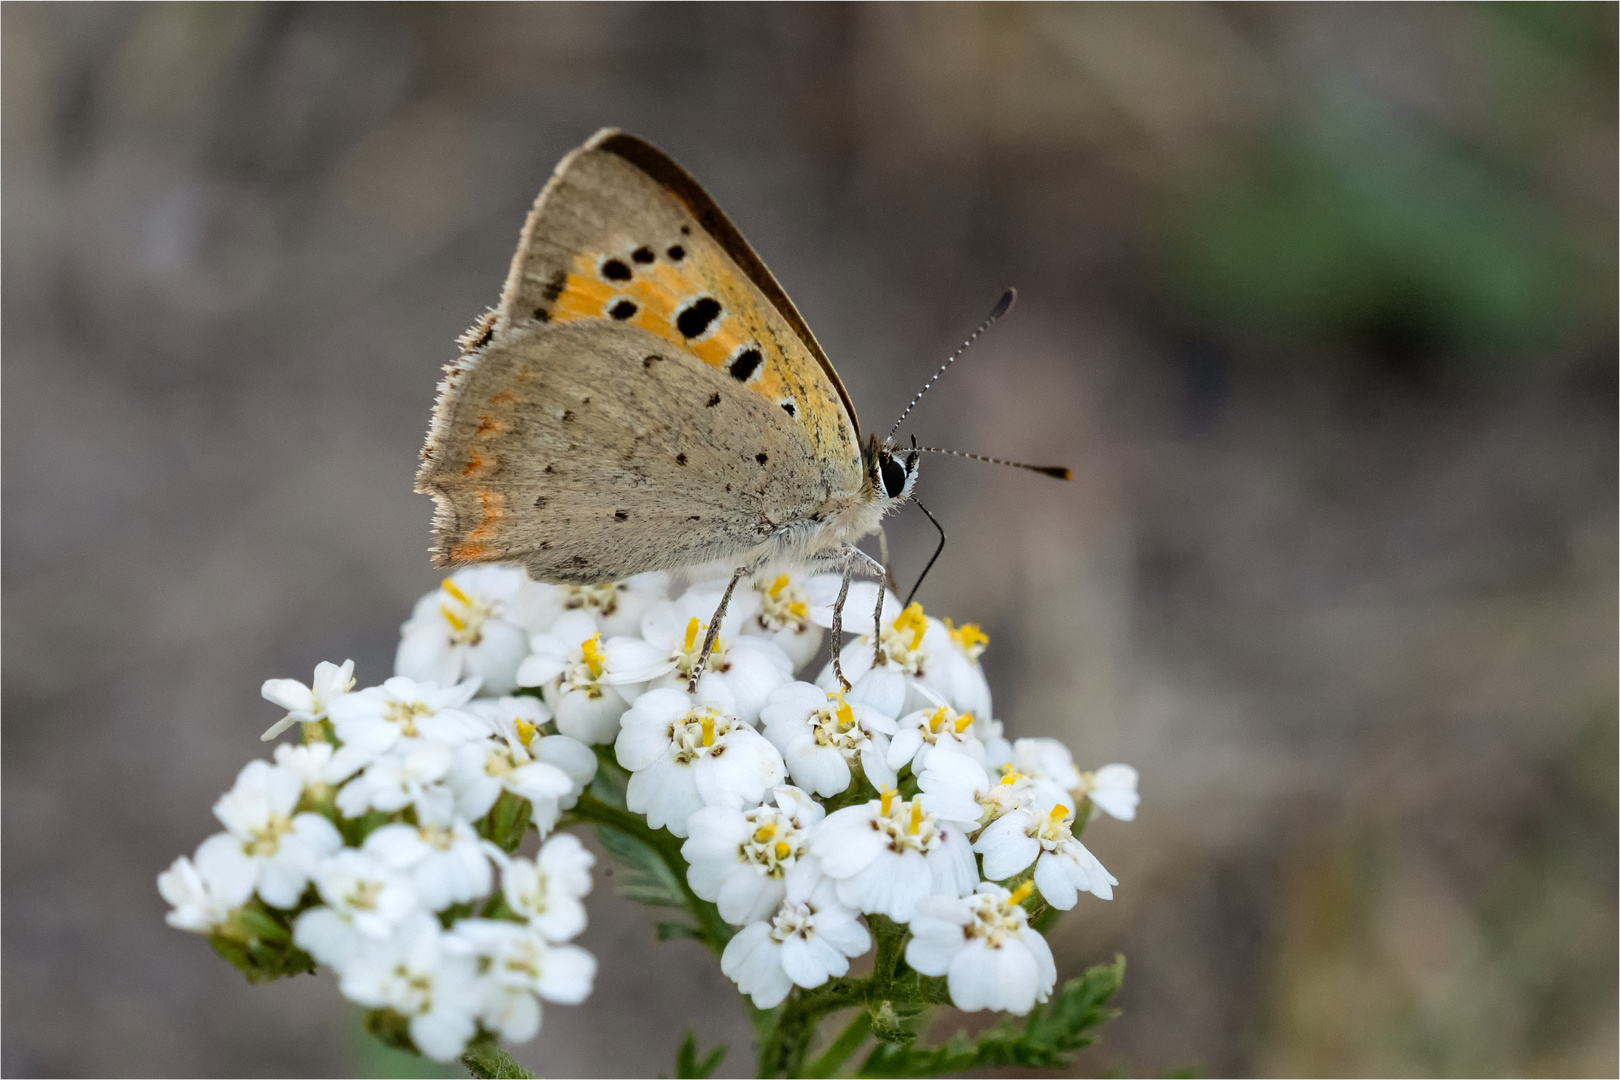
(890, 886)
(569, 974)
(804, 964)
(290, 694)
(1007, 845)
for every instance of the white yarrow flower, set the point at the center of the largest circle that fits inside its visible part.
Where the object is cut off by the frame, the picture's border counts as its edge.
(1042, 834)
(548, 891)
(984, 946)
(205, 892)
(365, 900)
(518, 965)
(582, 678)
(941, 661)
(824, 736)
(445, 863)
(889, 853)
(483, 768)
(307, 704)
(781, 613)
(472, 626)
(372, 721)
(414, 973)
(740, 859)
(926, 731)
(262, 831)
(1111, 789)
(808, 940)
(685, 753)
(751, 667)
(411, 775)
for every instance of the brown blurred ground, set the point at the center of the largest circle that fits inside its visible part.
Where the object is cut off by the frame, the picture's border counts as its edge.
(1319, 301)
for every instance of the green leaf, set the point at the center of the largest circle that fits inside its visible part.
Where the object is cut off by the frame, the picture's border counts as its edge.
(688, 1066)
(1046, 1039)
(484, 1058)
(650, 880)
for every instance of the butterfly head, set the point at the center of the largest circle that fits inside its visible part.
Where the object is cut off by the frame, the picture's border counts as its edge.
(891, 471)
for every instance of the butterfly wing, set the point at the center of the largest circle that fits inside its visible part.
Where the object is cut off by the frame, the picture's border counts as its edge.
(644, 397)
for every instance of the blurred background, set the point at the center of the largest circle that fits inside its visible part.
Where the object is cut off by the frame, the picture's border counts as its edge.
(1318, 301)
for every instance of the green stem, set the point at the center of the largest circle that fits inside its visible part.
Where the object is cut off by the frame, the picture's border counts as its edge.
(782, 1053)
(849, 1040)
(712, 929)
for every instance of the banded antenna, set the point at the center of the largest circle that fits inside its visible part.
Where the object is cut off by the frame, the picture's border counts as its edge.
(1003, 306)
(1058, 472)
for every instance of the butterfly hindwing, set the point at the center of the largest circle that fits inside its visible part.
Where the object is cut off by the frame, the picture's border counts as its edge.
(640, 399)
(591, 452)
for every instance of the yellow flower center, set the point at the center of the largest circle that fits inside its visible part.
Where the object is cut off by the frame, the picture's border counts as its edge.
(912, 621)
(775, 844)
(693, 644)
(404, 713)
(268, 838)
(699, 733)
(969, 638)
(603, 598)
(591, 647)
(364, 895)
(782, 606)
(464, 614)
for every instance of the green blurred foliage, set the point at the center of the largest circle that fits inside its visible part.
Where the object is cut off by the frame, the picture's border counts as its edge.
(1400, 234)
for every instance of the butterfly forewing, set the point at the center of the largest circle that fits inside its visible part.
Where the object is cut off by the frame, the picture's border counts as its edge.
(638, 401)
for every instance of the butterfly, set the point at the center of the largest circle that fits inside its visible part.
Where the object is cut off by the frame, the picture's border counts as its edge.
(646, 397)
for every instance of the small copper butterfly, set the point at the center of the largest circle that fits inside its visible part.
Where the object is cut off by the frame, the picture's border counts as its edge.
(646, 397)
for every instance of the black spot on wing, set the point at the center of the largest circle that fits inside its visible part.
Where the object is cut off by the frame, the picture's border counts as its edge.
(643, 254)
(568, 416)
(686, 230)
(621, 515)
(540, 315)
(554, 287)
(695, 318)
(650, 361)
(624, 309)
(714, 399)
(680, 459)
(676, 253)
(745, 363)
(616, 270)
(762, 457)
(788, 407)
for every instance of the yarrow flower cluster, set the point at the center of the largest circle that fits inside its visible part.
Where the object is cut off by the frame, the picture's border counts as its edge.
(806, 816)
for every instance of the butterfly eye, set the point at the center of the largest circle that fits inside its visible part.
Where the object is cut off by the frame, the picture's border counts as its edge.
(894, 476)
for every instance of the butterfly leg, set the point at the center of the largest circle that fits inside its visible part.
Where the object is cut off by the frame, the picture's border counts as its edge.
(714, 628)
(877, 613)
(853, 556)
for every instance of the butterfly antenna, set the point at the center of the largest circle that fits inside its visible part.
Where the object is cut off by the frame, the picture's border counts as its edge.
(1057, 471)
(932, 561)
(1003, 306)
